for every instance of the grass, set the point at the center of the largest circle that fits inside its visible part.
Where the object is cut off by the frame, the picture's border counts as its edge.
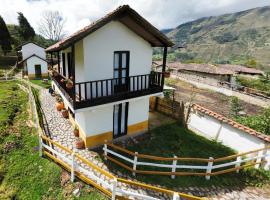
(169, 140)
(39, 82)
(23, 174)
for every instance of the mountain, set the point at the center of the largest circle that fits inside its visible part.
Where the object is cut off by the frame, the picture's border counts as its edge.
(231, 38)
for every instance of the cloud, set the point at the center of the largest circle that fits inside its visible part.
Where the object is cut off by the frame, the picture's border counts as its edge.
(161, 13)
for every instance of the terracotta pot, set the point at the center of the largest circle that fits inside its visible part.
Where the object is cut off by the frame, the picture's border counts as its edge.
(76, 132)
(167, 74)
(79, 144)
(54, 73)
(59, 106)
(65, 113)
(69, 85)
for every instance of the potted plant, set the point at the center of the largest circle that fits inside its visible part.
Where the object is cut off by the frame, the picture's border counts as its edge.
(54, 73)
(79, 143)
(59, 104)
(68, 82)
(65, 113)
(76, 131)
(167, 73)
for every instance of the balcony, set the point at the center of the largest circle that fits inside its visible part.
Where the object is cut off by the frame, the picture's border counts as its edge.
(93, 93)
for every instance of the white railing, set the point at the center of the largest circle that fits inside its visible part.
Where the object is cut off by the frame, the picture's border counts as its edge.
(257, 158)
(111, 187)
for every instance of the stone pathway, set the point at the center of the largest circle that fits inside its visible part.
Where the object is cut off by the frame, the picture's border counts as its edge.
(62, 132)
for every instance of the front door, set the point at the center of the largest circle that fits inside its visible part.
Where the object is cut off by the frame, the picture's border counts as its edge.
(38, 71)
(121, 71)
(120, 117)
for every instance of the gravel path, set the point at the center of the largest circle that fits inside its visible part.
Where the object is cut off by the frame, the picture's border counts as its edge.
(62, 132)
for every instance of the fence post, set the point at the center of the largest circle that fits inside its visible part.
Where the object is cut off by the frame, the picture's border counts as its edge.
(174, 166)
(266, 159)
(40, 145)
(105, 150)
(238, 159)
(114, 188)
(209, 168)
(135, 163)
(72, 176)
(258, 160)
(176, 196)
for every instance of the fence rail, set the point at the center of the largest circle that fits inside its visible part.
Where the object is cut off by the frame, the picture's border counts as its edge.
(208, 167)
(71, 162)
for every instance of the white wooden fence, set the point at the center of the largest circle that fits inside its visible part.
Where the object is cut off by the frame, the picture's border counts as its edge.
(255, 158)
(111, 187)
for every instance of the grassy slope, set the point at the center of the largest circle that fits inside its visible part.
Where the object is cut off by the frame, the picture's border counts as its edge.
(172, 140)
(23, 174)
(250, 29)
(40, 83)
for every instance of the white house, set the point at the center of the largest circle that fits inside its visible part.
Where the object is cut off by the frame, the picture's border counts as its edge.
(33, 60)
(109, 63)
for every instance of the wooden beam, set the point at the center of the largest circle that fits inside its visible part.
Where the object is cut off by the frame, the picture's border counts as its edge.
(164, 65)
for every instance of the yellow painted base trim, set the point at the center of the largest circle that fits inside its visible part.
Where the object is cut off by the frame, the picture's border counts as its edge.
(99, 139)
(137, 128)
(96, 140)
(33, 76)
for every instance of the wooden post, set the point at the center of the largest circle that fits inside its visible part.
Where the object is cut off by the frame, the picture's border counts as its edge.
(40, 145)
(114, 188)
(105, 150)
(163, 65)
(176, 196)
(73, 75)
(174, 166)
(135, 163)
(51, 59)
(72, 176)
(258, 160)
(238, 159)
(58, 62)
(209, 168)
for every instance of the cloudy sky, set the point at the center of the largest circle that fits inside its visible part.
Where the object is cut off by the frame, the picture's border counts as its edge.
(161, 13)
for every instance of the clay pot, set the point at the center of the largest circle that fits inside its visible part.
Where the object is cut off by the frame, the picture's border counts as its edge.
(59, 106)
(65, 113)
(54, 73)
(167, 74)
(69, 85)
(79, 144)
(76, 132)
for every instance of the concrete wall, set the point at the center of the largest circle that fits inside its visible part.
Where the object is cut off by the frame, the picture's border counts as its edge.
(31, 48)
(228, 135)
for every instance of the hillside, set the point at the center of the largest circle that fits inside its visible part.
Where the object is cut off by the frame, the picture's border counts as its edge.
(230, 38)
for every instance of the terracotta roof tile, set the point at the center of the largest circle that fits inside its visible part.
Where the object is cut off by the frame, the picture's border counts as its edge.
(231, 122)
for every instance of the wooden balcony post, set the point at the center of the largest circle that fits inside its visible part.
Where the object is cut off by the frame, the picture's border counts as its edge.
(58, 62)
(73, 76)
(164, 65)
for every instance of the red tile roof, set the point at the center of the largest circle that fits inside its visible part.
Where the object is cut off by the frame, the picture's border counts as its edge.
(231, 122)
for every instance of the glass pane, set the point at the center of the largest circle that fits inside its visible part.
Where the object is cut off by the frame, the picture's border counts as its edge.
(124, 60)
(123, 118)
(116, 61)
(115, 123)
(116, 74)
(123, 73)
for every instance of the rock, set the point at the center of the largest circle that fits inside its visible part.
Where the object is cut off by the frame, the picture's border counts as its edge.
(76, 192)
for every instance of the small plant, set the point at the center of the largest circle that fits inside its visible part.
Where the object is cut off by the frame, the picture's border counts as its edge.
(235, 106)
(76, 131)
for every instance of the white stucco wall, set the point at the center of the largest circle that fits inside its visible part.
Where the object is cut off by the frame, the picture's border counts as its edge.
(228, 135)
(31, 62)
(100, 120)
(99, 50)
(31, 48)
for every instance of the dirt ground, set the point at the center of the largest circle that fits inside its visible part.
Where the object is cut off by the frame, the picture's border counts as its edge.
(212, 100)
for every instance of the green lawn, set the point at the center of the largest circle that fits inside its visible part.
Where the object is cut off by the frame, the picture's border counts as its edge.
(171, 139)
(40, 83)
(23, 174)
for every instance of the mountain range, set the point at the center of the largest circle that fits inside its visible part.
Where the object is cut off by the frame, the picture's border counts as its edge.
(233, 38)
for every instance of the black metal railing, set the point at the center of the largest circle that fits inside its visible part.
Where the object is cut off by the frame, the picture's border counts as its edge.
(91, 93)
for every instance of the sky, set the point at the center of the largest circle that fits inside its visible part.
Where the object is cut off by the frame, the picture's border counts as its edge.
(161, 13)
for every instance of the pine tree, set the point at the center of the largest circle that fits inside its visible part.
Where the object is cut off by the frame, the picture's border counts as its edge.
(5, 39)
(25, 29)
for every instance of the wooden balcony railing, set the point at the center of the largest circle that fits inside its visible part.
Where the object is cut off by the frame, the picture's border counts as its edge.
(92, 93)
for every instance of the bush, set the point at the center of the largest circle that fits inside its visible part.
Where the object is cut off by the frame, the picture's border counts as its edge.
(235, 106)
(262, 84)
(226, 37)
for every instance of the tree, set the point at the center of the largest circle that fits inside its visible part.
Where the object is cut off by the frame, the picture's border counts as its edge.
(51, 25)
(25, 29)
(5, 38)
